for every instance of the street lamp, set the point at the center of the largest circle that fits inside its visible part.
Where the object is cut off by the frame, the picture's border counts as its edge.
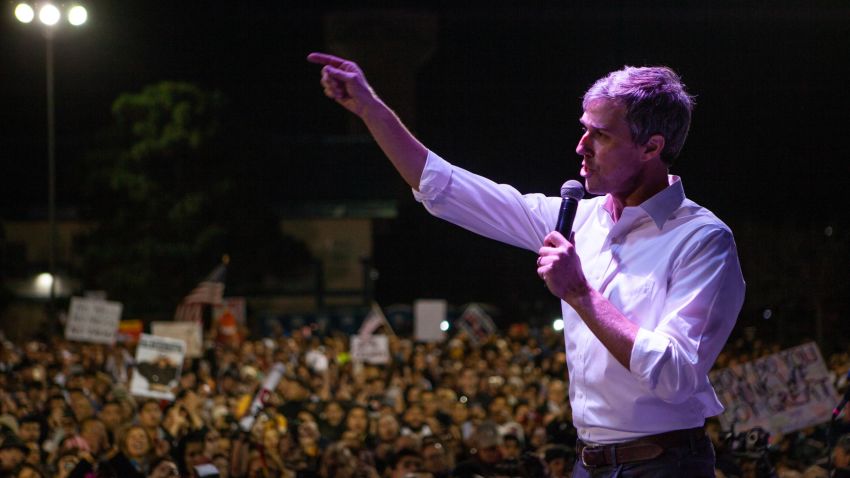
(50, 16)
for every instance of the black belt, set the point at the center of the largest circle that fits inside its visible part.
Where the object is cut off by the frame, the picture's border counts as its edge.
(640, 449)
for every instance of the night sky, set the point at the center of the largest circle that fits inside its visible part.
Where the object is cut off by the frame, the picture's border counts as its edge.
(500, 96)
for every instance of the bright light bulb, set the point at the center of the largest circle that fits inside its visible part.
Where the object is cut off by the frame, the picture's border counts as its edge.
(558, 325)
(43, 281)
(77, 15)
(49, 14)
(24, 13)
(444, 325)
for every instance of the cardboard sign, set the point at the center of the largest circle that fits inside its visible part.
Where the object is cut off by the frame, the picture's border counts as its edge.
(374, 349)
(159, 361)
(427, 317)
(781, 393)
(189, 332)
(93, 320)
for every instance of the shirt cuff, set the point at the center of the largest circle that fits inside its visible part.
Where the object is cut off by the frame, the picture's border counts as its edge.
(649, 354)
(435, 178)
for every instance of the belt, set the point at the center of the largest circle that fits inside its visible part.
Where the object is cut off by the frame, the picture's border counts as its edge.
(641, 449)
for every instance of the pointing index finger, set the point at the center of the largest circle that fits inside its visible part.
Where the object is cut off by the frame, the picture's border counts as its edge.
(325, 59)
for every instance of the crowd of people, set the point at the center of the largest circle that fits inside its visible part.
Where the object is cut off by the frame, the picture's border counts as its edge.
(444, 409)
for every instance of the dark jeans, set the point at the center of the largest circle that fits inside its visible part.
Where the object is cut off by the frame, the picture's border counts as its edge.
(677, 462)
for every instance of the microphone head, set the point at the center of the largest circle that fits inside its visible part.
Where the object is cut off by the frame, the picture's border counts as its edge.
(572, 189)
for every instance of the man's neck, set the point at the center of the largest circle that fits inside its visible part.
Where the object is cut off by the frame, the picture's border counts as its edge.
(654, 180)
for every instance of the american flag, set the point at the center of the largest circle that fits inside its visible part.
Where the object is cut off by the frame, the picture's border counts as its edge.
(374, 320)
(208, 291)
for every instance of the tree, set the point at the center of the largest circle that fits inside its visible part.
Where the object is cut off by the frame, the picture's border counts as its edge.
(166, 206)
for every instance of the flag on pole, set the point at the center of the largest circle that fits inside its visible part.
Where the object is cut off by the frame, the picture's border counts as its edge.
(374, 320)
(208, 291)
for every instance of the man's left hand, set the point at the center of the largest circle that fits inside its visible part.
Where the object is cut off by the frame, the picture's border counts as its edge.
(560, 267)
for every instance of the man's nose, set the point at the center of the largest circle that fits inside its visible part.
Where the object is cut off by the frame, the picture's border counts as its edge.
(581, 147)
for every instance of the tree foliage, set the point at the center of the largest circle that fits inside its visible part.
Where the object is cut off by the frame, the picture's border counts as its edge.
(162, 193)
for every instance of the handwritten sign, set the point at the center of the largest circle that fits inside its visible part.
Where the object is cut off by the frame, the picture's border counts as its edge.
(781, 393)
(374, 349)
(159, 361)
(93, 320)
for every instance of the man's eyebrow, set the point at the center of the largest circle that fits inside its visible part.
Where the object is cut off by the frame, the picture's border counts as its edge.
(588, 124)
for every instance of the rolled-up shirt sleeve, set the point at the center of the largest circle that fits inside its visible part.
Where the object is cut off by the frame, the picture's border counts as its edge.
(493, 210)
(705, 293)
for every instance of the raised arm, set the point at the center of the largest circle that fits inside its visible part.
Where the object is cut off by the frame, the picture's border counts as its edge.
(345, 83)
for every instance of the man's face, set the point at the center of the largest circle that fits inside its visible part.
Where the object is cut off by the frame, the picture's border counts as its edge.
(29, 431)
(94, 432)
(511, 450)
(10, 458)
(610, 158)
(110, 415)
(408, 464)
(150, 415)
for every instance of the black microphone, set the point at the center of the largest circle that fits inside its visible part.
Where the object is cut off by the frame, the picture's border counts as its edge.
(837, 410)
(571, 192)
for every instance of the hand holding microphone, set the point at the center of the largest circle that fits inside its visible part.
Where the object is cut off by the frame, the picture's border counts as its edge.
(559, 265)
(571, 193)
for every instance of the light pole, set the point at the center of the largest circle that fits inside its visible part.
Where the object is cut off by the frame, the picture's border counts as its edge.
(49, 16)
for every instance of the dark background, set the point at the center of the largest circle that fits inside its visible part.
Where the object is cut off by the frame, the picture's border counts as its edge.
(500, 96)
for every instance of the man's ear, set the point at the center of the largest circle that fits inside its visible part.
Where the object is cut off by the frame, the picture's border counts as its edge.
(653, 147)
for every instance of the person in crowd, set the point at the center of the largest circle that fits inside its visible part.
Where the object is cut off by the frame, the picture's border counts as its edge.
(134, 455)
(558, 461)
(13, 451)
(436, 458)
(29, 470)
(164, 467)
(486, 453)
(331, 420)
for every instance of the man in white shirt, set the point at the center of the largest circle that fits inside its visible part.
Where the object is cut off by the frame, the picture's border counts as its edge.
(650, 283)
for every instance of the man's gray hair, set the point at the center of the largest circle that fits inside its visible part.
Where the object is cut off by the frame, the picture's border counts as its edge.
(656, 103)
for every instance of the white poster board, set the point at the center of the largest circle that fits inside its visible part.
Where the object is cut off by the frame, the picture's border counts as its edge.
(372, 349)
(93, 320)
(189, 332)
(159, 361)
(781, 393)
(428, 314)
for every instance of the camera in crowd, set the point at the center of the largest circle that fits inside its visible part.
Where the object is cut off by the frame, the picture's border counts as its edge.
(752, 443)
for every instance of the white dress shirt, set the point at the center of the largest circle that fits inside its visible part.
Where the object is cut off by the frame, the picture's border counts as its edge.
(668, 265)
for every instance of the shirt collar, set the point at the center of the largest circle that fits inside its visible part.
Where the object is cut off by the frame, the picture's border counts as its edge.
(660, 206)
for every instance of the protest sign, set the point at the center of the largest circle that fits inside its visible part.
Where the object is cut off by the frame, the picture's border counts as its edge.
(781, 393)
(159, 361)
(427, 317)
(93, 320)
(477, 324)
(374, 349)
(189, 332)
